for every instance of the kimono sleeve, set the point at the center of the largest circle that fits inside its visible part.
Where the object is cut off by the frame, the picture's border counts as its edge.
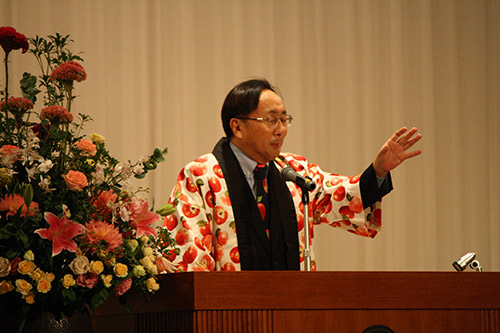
(338, 202)
(190, 225)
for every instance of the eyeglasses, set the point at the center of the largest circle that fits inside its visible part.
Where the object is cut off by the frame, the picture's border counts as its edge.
(272, 121)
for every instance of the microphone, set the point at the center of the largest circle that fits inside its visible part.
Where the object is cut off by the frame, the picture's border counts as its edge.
(305, 183)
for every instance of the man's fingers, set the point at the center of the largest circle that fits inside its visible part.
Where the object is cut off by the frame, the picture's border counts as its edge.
(412, 141)
(413, 154)
(398, 133)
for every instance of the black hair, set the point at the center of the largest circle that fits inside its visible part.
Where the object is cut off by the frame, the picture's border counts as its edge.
(242, 100)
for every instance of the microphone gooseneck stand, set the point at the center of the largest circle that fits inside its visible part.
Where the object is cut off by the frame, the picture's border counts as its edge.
(307, 245)
(306, 184)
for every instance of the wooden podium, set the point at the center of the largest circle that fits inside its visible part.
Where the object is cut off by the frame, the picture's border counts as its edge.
(279, 301)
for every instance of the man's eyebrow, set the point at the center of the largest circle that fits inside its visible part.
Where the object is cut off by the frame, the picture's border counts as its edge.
(276, 112)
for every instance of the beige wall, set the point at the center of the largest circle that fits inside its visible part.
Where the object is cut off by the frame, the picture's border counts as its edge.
(351, 73)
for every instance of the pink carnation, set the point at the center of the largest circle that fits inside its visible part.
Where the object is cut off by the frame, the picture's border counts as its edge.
(69, 71)
(88, 280)
(17, 105)
(56, 113)
(123, 287)
(10, 40)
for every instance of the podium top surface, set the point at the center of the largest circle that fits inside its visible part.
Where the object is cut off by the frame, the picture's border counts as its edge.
(320, 290)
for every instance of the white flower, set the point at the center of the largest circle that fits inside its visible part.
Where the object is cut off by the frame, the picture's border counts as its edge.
(124, 169)
(31, 172)
(4, 267)
(45, 184)
(98, 175)
(125, 214)
(138, 169)
(147, 251)
(80, 265)
(45, 166)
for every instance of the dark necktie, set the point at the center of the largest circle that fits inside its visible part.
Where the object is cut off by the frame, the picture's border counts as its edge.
(260, 174)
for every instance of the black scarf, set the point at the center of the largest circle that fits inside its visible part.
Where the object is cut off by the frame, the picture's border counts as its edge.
(257, 252)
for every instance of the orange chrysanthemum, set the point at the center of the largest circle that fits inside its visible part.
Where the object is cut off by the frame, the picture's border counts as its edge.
(101, 203)
(99, 232)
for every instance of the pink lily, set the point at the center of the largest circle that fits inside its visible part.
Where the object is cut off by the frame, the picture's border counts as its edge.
(141, 217)
(60, 232)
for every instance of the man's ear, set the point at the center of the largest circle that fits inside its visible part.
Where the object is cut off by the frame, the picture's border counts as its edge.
(236, 127)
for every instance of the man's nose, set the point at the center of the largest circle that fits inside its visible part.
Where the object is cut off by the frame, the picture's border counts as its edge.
(280, 127)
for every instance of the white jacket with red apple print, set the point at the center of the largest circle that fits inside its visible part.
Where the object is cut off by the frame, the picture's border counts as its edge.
(203, 224)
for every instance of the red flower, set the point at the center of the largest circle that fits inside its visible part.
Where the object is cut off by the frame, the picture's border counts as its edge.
(101, 203)
(17, 105)
(98, 231)
(13, 265)
(9, 155)
(56, 113)
(10, 40)
(69, 71)
(88, 280)
(12, 203)
(41, 132)
(141, 217)
(123, 287)
(60, 232)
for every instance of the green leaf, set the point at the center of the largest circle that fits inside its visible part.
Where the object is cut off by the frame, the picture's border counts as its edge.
(166, 209)
(28, 87)
(150, 165)
(96, 300)
(4, 233)
(104, 293)
(28, 194)
(11, 254)
(158, 155)
(140, 176)
(71, 295)
(22, 236)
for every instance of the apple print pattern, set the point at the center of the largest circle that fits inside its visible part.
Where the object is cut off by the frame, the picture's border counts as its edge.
(203, 224)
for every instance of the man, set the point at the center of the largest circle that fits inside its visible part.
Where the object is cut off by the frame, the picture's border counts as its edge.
(234, 212)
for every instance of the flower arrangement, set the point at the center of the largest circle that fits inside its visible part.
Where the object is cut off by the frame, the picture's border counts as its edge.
(72, 230)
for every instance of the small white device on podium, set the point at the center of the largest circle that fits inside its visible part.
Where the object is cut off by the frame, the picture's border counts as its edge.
(468, 261)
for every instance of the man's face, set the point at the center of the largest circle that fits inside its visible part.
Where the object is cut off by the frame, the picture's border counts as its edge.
(260, 140)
